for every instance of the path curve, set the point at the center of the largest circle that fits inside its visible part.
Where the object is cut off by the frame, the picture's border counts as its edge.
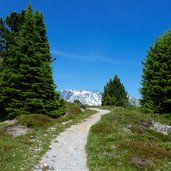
(67, 151)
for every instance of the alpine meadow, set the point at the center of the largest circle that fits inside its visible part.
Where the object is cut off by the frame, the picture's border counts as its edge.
(85, 85)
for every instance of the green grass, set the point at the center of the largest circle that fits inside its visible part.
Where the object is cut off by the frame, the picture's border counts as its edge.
(24, 152)
(119, 138)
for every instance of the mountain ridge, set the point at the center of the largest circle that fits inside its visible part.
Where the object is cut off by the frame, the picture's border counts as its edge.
(87, 97)
(91, 98)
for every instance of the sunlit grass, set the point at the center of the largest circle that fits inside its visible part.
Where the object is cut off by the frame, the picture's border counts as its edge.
(119, 141)
(24, 152)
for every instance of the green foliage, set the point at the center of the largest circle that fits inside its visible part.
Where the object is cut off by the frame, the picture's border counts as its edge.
(114, 93)
(2, 43)
(79, 104)
(60, 110)
(156, 79)
(26, 81)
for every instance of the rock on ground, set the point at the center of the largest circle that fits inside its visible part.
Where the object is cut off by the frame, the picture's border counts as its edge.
(67, 151)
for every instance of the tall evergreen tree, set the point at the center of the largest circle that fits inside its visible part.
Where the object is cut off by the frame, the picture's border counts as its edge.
(3, 43)
(156, 79)
(114, 93)
(52, 98)
(9, 30)
(26, 82)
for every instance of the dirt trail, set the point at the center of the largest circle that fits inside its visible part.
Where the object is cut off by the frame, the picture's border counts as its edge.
(67, 151)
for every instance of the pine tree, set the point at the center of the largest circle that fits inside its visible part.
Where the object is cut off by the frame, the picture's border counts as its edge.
(114, 93)
(156, 79)
(9, 30)
(52, 101)
(26, 82)
(3, 43)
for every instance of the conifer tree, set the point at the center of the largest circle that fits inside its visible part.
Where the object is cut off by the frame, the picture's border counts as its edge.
(114, 93)
(52, 101)
(156, 79)
(9, 30)
(3, 43)
(26, 82)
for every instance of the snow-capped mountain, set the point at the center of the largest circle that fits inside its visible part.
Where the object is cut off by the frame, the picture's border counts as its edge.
(133, 101)
(92, 98)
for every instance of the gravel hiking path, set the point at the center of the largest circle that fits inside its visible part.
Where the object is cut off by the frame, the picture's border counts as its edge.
(67, 151)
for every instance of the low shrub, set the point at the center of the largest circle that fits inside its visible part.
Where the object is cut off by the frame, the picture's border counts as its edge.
(79, 104)
(72, 108)
(34, 120)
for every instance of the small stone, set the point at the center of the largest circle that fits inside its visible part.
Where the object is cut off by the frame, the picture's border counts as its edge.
(140, 162)
(145, 123)
(45, 166)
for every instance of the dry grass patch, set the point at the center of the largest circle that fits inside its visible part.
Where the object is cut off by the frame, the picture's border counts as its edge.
(146, 149)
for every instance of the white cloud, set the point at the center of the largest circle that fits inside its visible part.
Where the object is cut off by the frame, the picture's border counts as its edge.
(90, 58)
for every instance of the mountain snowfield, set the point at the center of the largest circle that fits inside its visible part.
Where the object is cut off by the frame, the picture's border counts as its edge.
(91, 98)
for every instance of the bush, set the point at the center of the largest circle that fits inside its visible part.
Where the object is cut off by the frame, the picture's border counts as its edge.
(34, 120)
(79, 104)
(72, 109)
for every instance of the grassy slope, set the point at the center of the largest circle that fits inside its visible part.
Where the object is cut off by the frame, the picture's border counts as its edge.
(24, 152)
(118, 138)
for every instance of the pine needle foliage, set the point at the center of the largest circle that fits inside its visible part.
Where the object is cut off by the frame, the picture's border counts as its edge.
(26, 82)
(156, 78)
(114, 93)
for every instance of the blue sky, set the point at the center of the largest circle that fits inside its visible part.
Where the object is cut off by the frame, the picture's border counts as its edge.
(95, 39)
